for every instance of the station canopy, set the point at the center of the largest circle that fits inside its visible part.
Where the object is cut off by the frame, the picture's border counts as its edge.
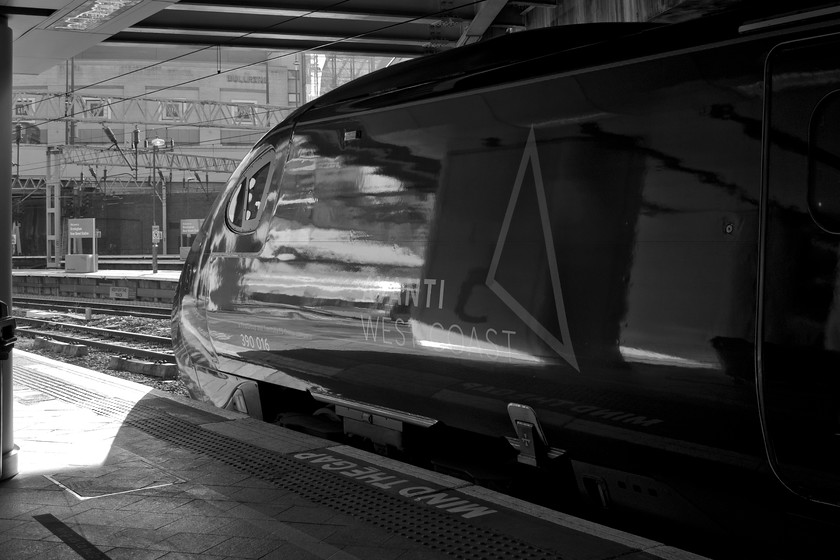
(48, 32)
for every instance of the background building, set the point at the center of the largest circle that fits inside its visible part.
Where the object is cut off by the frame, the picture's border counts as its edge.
(98, 112)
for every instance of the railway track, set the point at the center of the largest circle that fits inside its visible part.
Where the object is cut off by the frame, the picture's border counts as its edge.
(108, 262)
(96, 306)
(102, 339)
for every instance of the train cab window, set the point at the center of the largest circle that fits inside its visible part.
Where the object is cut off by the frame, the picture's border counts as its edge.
(247, 201)
(824, 163)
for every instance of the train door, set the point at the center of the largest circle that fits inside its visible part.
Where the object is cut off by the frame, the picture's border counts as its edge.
(799, 308)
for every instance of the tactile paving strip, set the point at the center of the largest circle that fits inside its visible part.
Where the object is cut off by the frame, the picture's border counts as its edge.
(96, 402)
(426, 526)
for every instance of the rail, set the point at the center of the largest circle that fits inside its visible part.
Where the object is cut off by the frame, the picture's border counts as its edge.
(167, 357)
(96, 331)
(95, 305)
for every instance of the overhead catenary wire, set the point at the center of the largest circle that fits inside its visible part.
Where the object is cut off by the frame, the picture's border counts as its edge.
(196, 51)
(277, 57)
(31, 169)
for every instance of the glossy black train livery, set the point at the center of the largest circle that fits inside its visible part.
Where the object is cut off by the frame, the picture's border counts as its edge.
(613, 247)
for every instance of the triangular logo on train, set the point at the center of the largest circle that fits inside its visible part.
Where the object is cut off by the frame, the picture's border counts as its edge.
(496, 281)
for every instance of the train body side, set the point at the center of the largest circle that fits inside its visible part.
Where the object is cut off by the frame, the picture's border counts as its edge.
(587, 244)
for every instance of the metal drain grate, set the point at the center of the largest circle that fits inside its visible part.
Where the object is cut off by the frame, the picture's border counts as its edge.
(426, 526)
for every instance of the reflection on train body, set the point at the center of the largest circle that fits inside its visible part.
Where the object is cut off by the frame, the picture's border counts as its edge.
(590, 241)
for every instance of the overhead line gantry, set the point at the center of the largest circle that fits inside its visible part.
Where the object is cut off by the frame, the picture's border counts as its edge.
(45, 106)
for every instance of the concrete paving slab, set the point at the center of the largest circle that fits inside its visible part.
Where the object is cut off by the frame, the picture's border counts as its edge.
(154, 477)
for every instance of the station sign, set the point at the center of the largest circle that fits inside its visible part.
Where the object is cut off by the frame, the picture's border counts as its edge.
(78, 230)
(118, 292)
(157, 235)
(191, 226)
(84, 228)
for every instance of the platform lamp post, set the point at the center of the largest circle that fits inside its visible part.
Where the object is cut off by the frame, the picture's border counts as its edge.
(18, 134)
(163, 216)
(156, 143)
(135, 142)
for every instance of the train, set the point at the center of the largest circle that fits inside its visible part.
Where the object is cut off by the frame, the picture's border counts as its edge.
(605, 252)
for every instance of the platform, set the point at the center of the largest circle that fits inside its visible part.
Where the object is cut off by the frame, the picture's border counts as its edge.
(124, 286)
(113, 469)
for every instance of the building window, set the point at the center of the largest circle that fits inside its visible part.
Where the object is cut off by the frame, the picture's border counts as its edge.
(31, 134)
(294, 87)
(96, 135)
(239, 137)
(180, 136)
(242, 112)
(172, 110)
(23, 106)
(96, 107)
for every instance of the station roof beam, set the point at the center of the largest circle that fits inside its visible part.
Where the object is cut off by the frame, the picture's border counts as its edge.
(47, 32)
(485, 17)
(362, 26)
